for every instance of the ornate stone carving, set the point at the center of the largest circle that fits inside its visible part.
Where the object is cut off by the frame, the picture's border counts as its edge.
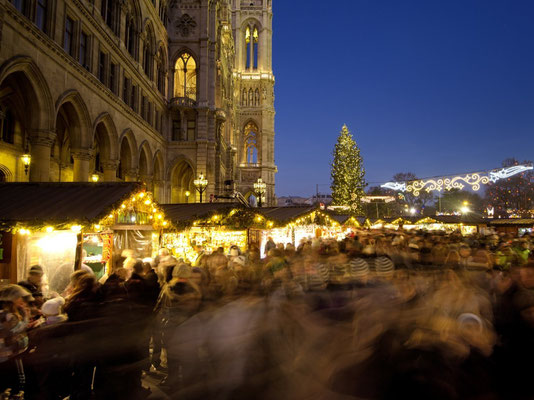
(82, 154)
(42, 138)
(109, 164)
(249, 176)
(185, 25)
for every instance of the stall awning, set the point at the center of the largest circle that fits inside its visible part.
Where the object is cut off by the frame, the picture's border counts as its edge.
(61, 202)
(285, 214)
(512, 222)
(183, 213)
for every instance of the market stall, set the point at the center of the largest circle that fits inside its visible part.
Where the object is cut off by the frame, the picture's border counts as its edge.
(205, 227)
(61, 226)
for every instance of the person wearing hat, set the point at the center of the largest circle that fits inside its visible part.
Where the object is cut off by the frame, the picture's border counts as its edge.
(14, 322)
(52, 311)
(33, 283)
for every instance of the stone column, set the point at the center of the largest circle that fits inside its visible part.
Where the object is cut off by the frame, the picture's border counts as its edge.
(41, 143)
(131, 175)
(157, 190)
(110, 170)
(82, 161)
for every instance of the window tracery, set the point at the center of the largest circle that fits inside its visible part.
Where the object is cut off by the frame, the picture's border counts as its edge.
(185, 80)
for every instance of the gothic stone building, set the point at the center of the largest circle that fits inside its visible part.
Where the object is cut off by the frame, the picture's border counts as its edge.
(152, 90)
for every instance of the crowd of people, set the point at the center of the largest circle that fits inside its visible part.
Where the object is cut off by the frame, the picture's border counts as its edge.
(378, 315)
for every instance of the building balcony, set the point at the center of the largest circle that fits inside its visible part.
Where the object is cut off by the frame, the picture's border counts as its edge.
(182, 102)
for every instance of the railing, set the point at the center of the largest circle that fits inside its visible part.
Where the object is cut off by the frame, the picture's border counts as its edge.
(183, 102)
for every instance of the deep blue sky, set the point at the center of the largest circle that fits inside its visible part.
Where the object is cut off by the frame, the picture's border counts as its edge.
(429, 86)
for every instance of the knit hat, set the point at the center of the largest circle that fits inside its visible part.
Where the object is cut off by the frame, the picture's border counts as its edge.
(13, 292)
(36, 270)
(358, 268)
(384, 266)
(53, 306)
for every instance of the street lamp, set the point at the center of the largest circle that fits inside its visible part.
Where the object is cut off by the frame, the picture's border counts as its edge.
(465, 209)
(95, 177)
(259, 188)
(187, 194)
(200, 184)
(26, 160)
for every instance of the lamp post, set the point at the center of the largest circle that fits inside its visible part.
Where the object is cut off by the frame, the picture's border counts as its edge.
(26, 160)
(187, 194)
(200, 184)
(95, 177)
(259, 188)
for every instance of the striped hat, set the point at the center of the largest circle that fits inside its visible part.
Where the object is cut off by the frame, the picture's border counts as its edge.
(384, 266)
(322, 271)
(358, 268)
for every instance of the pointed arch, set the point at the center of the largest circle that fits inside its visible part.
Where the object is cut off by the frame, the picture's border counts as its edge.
(181, 178)
(28, 80)
(185, 75)
(79, 119)
(128, 154)
(149, 48)
(158, 166)
(145, 160)
(251, 143)
(104, 130)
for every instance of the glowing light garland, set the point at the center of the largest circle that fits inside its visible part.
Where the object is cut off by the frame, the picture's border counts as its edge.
(474, 180)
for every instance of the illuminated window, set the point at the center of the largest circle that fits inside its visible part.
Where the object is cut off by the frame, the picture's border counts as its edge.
(251, 45)
(251, 143)
(255, 48)
(247, 41)
(185, 79)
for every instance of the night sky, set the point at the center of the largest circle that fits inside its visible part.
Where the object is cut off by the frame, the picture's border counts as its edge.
(433, 87)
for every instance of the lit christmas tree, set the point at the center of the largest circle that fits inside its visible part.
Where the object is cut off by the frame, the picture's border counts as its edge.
(348, 174)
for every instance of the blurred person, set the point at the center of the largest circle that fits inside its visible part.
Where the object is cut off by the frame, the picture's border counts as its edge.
(14, 323)
(179, 301)
(269, 245)
(34, 284)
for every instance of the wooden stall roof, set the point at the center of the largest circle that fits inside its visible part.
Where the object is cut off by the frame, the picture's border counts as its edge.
(511, 221)
(188, 212)
(61, 202)
(284, 214)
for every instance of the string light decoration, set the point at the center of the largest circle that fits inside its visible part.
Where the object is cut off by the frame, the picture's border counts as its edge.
(138, 209)
(474, 181)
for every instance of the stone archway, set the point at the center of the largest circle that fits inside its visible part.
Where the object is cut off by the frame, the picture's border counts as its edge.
(105, 149)
(182, 178)
(27, 113)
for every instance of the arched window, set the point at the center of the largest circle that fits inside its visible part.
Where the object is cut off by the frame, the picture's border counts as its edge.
(251, 45)
(148, 56)
(160, 72)
(185, 79)
(251, 143)
(110, 13)
(130, 35)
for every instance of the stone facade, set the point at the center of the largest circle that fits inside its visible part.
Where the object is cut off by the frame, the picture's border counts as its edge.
(150, 90)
